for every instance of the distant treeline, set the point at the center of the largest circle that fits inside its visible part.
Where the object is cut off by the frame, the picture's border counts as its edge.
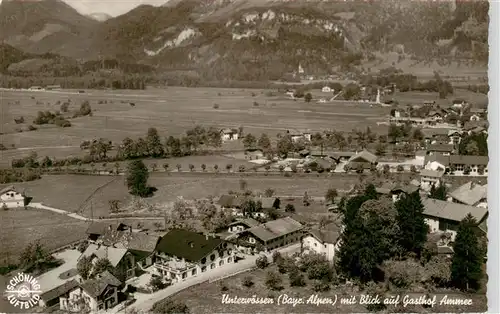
(84, 82)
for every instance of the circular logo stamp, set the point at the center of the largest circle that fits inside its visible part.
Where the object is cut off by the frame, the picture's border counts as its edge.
(23, 291)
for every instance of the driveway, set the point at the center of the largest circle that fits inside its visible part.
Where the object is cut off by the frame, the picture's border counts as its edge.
(145, 302)
(50, 279)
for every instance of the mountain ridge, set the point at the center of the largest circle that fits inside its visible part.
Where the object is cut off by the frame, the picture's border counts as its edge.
(262, 39)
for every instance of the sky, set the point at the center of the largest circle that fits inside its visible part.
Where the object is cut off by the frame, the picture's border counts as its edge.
(111, 7)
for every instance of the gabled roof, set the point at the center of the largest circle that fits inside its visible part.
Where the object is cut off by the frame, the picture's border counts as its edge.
(114, 255)
(267, 202)
(470, 193)
(275, 228)
(59, 291)
(431, 173)
(448, 148)
(142, 242)
(228, 131)
(364, 154)
(96, 287)
(443, 160)
(429, 133)
(7, 189)
(101, 228)
(249, 222)
(186, 244)
(328, 234)
(468, 160)
(452, 211)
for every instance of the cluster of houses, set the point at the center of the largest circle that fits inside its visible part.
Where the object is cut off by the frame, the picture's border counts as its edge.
(178, 254)
(432, 114)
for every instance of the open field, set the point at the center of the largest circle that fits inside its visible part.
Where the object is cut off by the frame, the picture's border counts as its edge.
(175, 110)
(415, 98)
(73, 192)
(207, 298)
(19, 227)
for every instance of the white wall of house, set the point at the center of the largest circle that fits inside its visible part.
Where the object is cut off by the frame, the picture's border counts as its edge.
(211, 261)
(427, 182)
(435, 226)
(327, 249)
(229, 136)
(474, 170)
(12, 199)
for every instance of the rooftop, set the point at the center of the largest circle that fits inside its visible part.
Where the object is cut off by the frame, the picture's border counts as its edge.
(249, 222)
(443, 160)
(364, 154)
(59, 291)
(96, 287)
(452, 211)
(431, 173)
(275, 228)
(186, 244)
(7, 189)
(468, 160)
(470, 193)
(328, 234)
(448, 148)
(114, 255)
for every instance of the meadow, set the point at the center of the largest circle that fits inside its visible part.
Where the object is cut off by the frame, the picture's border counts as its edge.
(171, 110)
(20, 227)
(81, 193)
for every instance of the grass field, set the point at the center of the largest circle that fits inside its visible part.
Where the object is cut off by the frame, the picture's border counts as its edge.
(73, 192)
(19, 227)
(175, 110)
(207, 298)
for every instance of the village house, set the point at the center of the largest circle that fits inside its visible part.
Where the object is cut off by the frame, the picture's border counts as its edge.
(324, 241)
(54, 296)
(435, 116)
(443, 216)
(242, 224)
(395, 191)
(229, 135)
(11, 198)
(471, 194)
(436, 162)
(469, 165)
(93, 295)
(459, 104)
(363, 159)
(297, 135)
(428, 178)
(120, 259)
(440, 135)
(98, 229)
(442, 149)
(273, 234)
(142, 246)
(326, 89)
(182, 254)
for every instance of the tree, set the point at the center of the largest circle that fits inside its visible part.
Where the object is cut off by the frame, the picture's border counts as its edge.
(296, 278)
(249, 141)
(261, 262)
(284, 146)
(102, 265)
(269, 192)
(276, 203)
(84, 267)
(248, 281)
(289, 208)
(191, 167)
(241, 168)
(155, 147)
(439, 193)
(156, 283)
(229, 167)
(203, 167)
(467, 262)
(264, 143)
(403, 274)
(168, 306)
(274, 280)
(33, 256)
(306, 200)
(412, 226)
(330, 195)
(308, 97)
(178, 166)
(137, 178)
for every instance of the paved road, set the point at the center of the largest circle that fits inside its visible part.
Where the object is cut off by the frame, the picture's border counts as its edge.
(146, 301)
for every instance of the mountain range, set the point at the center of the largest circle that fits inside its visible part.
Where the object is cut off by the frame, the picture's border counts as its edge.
(251, 39)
